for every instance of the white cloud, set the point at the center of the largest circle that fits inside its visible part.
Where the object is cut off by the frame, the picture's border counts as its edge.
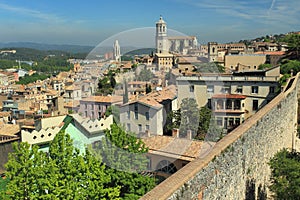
(264, 11)
(32, 13)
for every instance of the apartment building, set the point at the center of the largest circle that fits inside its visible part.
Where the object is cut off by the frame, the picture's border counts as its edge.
(232, 97)
(148, 113)
(94, 107)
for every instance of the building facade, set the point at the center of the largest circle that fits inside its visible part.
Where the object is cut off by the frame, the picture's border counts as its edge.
(232, 97)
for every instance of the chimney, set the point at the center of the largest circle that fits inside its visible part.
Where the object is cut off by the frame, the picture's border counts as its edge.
(175, 133)
(189, 135)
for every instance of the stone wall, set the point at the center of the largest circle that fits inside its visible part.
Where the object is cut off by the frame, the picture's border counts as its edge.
(237, 167)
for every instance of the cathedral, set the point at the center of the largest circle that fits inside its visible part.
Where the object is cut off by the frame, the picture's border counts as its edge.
(173, 44)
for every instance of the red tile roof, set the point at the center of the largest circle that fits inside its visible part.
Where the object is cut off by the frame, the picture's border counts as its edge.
(228, 96)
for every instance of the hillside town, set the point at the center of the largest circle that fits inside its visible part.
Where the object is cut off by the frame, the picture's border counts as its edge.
(180, 99)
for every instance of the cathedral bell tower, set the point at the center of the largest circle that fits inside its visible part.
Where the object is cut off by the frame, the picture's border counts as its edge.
(161, 36)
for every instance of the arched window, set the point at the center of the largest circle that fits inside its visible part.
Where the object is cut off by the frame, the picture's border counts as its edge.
(166, 166)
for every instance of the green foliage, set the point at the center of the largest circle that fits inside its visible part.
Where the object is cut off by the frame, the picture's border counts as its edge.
(200, 121)
(107, 83)
(285, 175)
(283, 79)
(173, 120)
(145, 75)
(44, 61)
(189, 116)
(293, 41)
(113, 110)
(3, 183)
(290, 65)
(61, 174)
(209, 68)
(126, 58)
(204, 122)
(31, 79)
(264, 66)
(124, 156)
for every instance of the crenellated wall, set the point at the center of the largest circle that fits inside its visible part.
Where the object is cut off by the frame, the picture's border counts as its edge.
(237, 167)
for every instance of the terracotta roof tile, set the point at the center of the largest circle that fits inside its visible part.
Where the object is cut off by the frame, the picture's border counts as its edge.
(228, 96)
(174, 147)
(103, 99)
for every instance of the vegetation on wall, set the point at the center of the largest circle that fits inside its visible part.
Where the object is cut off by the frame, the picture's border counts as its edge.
(285, 175)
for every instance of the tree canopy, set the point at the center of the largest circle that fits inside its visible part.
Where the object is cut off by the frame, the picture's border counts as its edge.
(124, 157)
(285, 175)
(61, 174)
(64, 173)
(190, 117)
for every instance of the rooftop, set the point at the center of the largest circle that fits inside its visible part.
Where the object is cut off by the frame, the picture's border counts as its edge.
(179, 148)
(103, 99)
(228, 96)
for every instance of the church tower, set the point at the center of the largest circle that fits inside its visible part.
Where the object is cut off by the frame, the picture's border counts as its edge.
(212, 51)
(161, 36)
(117, 51)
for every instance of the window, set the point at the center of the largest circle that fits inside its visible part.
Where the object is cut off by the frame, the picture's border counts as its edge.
(128, 114)
(254, 89)
(147, 127)
(210, 89)
(140, 127)
(272, 89)
(237, 104)
(136, 107)
(237, 121)
(85, 105)
(86, 114)
(231, 121)
(147, 115)
(92, 106)
(228, 104)
(239, 89)
(255, 105)
(136, 115)
(220, 104)
(192, 88)
(128, 127)
(209, 104)
(225, 89)
(93, 115)
(219, 121)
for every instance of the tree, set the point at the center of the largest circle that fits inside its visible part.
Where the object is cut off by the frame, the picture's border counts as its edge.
(288, 66)
(209, 68)
(285, 175)
(173, 121)
(124, 157)
(113, 110)
(145, 75)
(264, 66)
(189, 116)
(61, 174)
(204, 122)
(293, 41)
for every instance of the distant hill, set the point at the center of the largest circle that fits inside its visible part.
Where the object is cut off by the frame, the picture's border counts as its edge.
(48, 47)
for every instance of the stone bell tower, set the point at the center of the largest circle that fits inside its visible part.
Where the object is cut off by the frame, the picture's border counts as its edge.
(161, 36)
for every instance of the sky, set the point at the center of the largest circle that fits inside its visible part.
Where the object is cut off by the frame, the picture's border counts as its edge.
(90, 22)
